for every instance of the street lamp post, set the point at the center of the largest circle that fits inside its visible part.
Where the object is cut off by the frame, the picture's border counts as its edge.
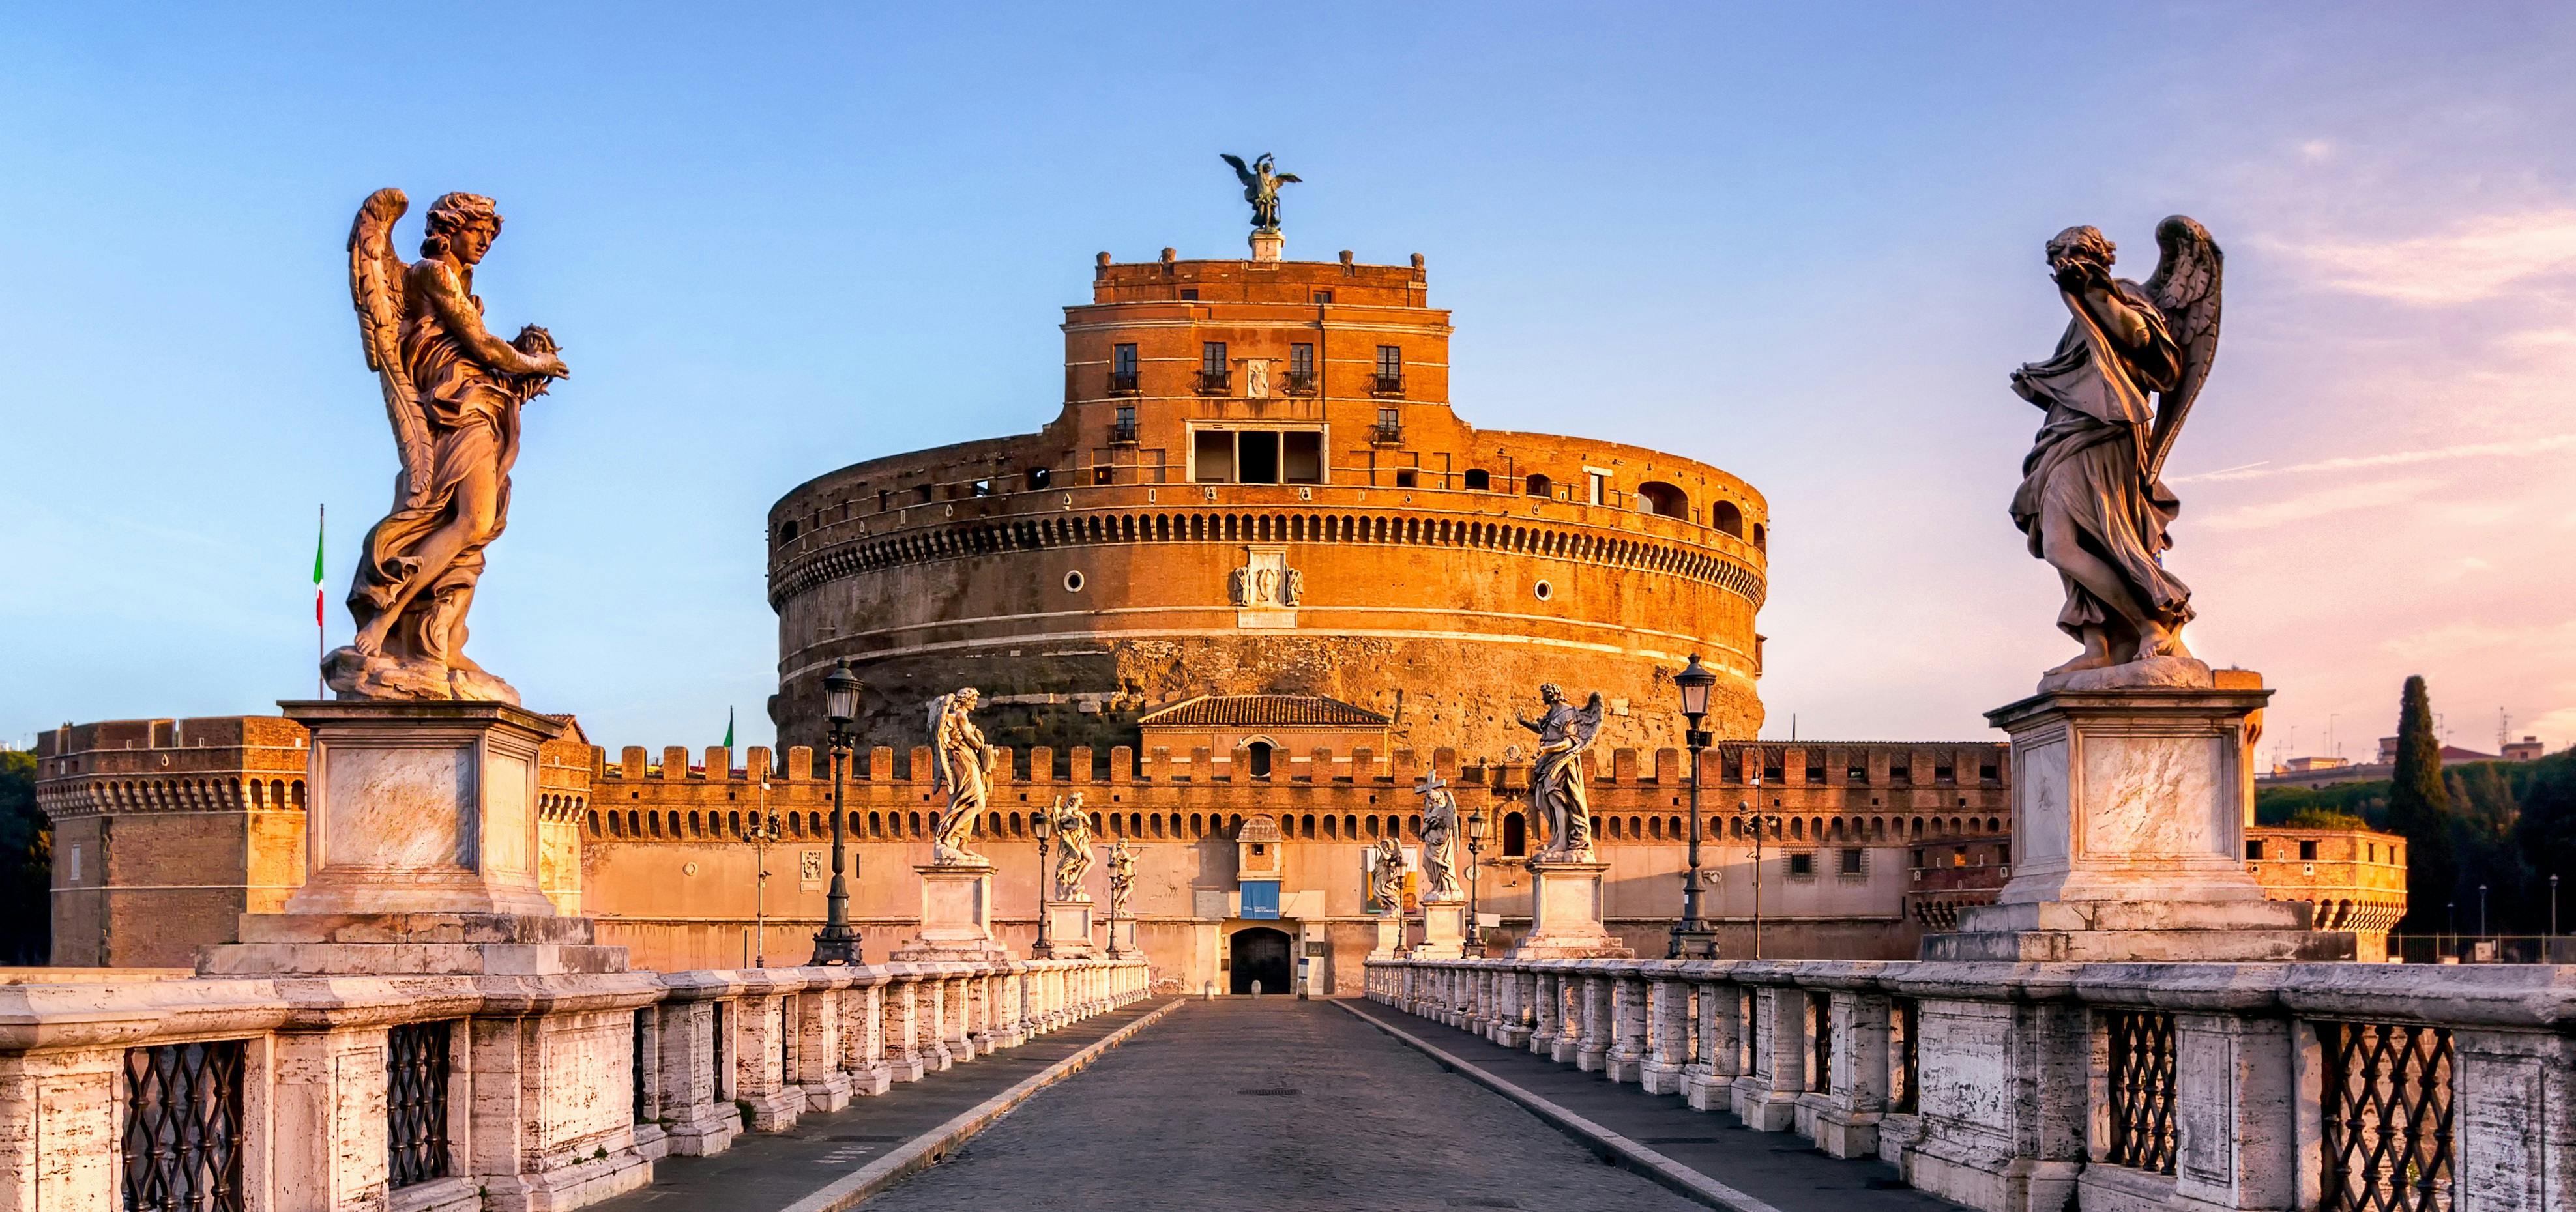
(764, 830)
(2482, 911)
(1044, 948)
(1751, 813)
(837, 944)
(1692, 938)
(1475, 846)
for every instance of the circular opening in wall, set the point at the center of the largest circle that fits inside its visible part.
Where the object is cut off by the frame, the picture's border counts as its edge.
(688, 868)
(1073, 582)
(1544, 591)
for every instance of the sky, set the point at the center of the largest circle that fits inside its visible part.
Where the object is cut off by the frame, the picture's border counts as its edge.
(1802, 243)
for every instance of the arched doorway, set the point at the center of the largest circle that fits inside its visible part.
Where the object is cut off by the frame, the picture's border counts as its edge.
(1259, 953)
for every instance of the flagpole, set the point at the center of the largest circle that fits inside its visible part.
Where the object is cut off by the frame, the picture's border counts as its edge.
(321, 520)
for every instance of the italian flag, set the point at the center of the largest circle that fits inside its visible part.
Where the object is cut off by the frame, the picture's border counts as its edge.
(318, 518)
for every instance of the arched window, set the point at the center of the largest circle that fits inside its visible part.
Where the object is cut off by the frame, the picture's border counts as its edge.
(1723, 515)
(1658, 497)
(1515, 834)
(1538, 486)
(1332, 826)
(1761, 541)
(1198, 825)
(1307, 826)
(1479, 480)
(1256, 758)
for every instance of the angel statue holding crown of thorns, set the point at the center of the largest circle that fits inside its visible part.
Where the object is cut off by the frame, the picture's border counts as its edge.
(2092, 500)
(453, 392)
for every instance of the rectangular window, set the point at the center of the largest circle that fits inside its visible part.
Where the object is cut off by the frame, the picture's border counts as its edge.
(1301, 457)
(1256, 457)
(1189, 292)
(1802, 864)
(1125, 430)
(2307, 852)
(2003, 854)
(1918, 858)
(1942, 774)
(1301, 359)
(1102, 474)
(1858, 773)
(1390, 369)
(1851, 862)
(1404, 478)
(1323, 296)
(1122, 368)
(1212, 452)
(1958, 856)
(1599, 490)
(1212, 357)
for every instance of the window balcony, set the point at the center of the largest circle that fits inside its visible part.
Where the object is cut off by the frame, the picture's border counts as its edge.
(1122, 383)
(1123, 433)
(1303, 383)
(1387, 435)
(1216, 382)
(1387, 385)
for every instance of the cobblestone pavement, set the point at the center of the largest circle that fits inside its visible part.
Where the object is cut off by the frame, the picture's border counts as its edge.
(1270, 1103)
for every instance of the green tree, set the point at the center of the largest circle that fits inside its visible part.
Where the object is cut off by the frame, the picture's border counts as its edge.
(2419, 810)
(26, 864)
(2545, 832)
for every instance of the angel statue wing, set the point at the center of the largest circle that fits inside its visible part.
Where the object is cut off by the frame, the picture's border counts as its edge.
(1242, 171)
(376, 288)
(2185, 288)
(1586, 723)
(1288, 179)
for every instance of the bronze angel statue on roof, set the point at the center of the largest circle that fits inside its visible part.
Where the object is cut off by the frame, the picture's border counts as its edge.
(453, 392)
(2092, 500)
(1261, 188)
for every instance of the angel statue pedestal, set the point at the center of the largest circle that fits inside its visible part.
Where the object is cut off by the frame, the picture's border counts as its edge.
(2131, 787)
(1122, 938)
(1390, 935)
(420, 843)
(1565, 913)
(1444, 931)
(1068, 929)
(956, 915)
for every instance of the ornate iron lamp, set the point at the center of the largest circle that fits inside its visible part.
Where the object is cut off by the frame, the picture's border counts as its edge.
(1044, 824)
(837, 943)
(1692, 939)
(1476, 825)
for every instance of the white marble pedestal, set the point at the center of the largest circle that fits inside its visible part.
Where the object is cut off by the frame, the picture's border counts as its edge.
(2129, 809)
(1565, 918)
(1390, 936)
(956, 915)
(1122, 937)
(420, 850)
(1068, 930)
(1444, 931)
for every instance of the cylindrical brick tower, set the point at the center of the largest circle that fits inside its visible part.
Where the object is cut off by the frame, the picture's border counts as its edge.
(1256, 485)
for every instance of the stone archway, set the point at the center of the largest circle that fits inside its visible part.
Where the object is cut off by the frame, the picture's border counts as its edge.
(1258, 953)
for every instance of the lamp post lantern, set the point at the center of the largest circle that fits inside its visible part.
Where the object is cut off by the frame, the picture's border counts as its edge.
(1692, 938)
(836, 943)
(1476, 824)
(1044, 948)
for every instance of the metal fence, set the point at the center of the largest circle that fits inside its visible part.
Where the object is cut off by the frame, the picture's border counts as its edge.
(183, 1127)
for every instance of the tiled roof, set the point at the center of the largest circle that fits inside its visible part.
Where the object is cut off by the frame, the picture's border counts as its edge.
(1263, 711)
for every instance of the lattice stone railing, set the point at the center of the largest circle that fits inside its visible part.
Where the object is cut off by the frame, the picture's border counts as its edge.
(2018, 1087)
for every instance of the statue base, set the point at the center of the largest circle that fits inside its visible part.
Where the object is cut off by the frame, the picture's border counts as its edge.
(1565, 915)
(374, 677)
(1122, 938)
(1444, 931)
(956, 915)
(410, 944)
(1267, 244)
(1390, 936)
(2131, 787)
(421, 807)
(1068, 931)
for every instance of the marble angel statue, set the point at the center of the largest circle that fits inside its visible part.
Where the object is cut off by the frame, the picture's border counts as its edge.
(1557, 788)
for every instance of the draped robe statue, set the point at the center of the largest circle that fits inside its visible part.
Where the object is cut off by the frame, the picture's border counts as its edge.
(961, 764)
(453, 392)
(1557, 779)
(1439, 840)
(1122, 877)
(2092, 501)
(1073, 837)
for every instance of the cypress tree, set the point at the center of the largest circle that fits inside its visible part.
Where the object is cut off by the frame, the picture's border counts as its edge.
(2419, 810)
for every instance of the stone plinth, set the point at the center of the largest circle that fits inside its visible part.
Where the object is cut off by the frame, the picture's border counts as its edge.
(1390, 936)
(1068, 930)
(1122, 938)
(420, 852)
(956, 915)
(2129, 809)
(1565, 919)
(421, 807)
(1444, 931)
(1267, 244)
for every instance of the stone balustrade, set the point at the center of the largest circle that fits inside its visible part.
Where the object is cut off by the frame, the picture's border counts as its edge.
(2109, 1087)
(436, 1092)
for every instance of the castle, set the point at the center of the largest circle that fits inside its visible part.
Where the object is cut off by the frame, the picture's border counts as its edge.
(1252, 581)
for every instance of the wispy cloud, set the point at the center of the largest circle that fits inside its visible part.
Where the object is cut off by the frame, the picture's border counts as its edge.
(2395, 458)
(2477, 259)
(2339, 499)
